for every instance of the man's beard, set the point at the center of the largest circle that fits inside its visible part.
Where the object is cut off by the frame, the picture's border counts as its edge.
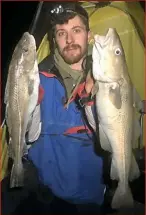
(72, 59)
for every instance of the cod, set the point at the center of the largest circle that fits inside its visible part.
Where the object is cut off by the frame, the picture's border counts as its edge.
(113, 92)
(21, 96)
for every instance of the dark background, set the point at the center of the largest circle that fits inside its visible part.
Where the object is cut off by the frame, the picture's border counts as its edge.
(16, 18)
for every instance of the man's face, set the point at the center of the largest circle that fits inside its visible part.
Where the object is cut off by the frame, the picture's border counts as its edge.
(72, 40)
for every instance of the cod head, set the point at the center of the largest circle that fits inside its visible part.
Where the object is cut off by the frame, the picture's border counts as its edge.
(24, 55)
(108, 57)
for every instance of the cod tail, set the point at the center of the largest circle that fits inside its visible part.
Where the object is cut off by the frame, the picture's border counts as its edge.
(17, 175)
(122, 199)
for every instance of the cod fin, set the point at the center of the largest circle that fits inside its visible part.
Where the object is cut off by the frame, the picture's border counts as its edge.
(137, 100)
(113, 171)
(25, 149)
(17, 175)
(30, 86)
(122, 199)
(105, 144)
(115, 96)
(134, 171)
(10, 149)
(136, 131)
(90, 117)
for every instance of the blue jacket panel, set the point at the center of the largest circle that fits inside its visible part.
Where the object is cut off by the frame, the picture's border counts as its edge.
(66, 165)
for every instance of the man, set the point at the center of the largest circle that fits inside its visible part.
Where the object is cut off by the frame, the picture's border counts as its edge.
(63, 149)
(63, 152)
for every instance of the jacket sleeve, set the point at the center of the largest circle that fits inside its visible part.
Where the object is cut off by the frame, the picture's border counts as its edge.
(34, 127)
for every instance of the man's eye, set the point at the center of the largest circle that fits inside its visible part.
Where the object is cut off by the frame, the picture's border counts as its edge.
(60, 34)
(77, 30)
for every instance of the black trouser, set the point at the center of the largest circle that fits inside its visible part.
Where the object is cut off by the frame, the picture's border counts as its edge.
(31, 205)
(35, 198)
(24, 201)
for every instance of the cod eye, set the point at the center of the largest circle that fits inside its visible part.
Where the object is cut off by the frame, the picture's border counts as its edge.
(118, 51)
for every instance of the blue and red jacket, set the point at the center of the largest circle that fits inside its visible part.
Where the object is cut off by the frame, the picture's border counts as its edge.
(64, 154)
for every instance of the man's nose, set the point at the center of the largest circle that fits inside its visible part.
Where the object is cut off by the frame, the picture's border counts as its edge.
(69, 38)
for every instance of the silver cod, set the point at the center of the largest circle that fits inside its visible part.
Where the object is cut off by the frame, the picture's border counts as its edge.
(114, 105)
(21, 96)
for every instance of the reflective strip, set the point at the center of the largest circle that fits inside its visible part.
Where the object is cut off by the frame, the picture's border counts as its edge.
(47, 74)
(78, 129)
(90, 103)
